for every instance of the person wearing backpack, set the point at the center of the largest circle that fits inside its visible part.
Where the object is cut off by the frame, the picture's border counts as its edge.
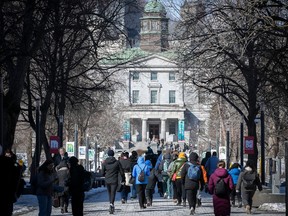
(192, 177)
(163, 169)
(220, 185)
(141, 172)
(176, 170)
(234, 171)
(211, 164)
(152, 180)
(248, 182)
(170, 174)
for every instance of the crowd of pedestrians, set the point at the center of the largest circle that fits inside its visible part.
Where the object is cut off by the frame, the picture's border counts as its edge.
(177, 176)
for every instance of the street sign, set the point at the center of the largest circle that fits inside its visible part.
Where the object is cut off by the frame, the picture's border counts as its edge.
(70, 148)
(54, 144)
(82, 152)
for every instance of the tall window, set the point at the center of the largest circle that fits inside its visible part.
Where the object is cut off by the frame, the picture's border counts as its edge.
(172, 97)
(135, 96)
(153, 75)
(171, 75)
(153, 96)
(172, 127)
(135, 75)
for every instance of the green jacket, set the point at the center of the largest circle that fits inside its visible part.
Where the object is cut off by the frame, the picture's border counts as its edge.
(177, 167)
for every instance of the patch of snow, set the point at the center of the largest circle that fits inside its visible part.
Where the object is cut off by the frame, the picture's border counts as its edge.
(277, 207)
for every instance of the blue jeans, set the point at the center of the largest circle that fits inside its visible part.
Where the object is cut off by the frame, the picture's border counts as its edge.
(133, 191)
(45, 205)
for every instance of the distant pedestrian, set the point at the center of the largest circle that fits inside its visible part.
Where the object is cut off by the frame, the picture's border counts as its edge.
(220, 180)
(63, 174)
(44, 190)
(207, 156)
(133, 161)
(234, 171)
(248, 182)
(170, 173)
(205, 178)
(176, 170)
(111, 169)
(163, 169)
(152, 180)
(193, 178)
(141, 185)
(62, 155)
(76, 186)
(126, 165)
(211, 164)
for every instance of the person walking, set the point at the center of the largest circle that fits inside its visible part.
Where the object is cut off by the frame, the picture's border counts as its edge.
(133, 161)
(211, 164)
(234, 171)
(62, 155)
(176, 170)
(192, 175)
(220, 185)
(44, 190)
(207, 156)
(205, 178)
(76, 186)
(139, 170)
(111, 169)
(63, 174)
(248, 182)
(170, 173)
(152, 180)
(163, 169)
(126, 165)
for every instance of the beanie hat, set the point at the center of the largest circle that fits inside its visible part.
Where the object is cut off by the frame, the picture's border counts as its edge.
(193, 156)
(73, 160)
(181, 155)
(110, 153)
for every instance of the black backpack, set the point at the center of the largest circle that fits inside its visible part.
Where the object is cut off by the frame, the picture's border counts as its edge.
(249, 180)
(87, 181)
(221, 188)
(141, 176)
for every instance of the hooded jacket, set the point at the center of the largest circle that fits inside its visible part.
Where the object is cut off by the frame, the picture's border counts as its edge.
(178, 165)
(235, 172)
(111, 168)
(137, 169)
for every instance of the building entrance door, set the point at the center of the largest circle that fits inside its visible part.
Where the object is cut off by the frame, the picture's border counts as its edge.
(154, 131)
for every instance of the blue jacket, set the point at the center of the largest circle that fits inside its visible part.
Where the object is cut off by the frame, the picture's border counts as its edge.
(235, 172)
(137, 169)
(159, 159)
(211, 165)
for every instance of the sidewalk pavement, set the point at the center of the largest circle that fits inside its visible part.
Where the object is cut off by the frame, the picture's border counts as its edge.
(96, 204)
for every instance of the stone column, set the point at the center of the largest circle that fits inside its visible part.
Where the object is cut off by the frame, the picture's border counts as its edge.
(144, 130)
(163, 129)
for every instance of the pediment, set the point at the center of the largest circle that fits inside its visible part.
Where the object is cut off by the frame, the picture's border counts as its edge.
(154, 61)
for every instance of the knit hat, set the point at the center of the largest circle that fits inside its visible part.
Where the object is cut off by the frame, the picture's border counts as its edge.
(110, 153)
(181, 155)
(193, 156)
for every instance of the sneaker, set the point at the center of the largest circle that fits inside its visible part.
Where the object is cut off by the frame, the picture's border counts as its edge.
(184, 204)
(178, 204)
(111, 209)
(123, 201)
(168, 197)
(248, 209)
(199, 203)
(192, 211)
(165, 196)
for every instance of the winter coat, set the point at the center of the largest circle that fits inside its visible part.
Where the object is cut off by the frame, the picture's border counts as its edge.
(221, 204)
(211, 165)
(177, 167)
(188, 183)
(76, 180)
(137, 169)
(235, 172)
(63, 176)
(111, 168)
(152, 179)
(45, 181)
(57, 158)
(126, 165)
(257, 182)
(133, 162)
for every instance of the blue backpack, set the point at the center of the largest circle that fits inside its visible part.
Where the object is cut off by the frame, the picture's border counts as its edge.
(194, 172)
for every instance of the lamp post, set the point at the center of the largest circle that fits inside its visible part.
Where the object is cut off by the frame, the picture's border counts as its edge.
(96, 152)
(262, 143)
(1, 113)
(227, 144)
(241, 141)
(38, 142)
(76, 141)
(60, 130)
(87, 151)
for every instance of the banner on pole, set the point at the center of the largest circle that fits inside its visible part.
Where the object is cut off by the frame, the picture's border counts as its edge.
(70, 149)
(248, 145)
(54, 144)
(82, 152)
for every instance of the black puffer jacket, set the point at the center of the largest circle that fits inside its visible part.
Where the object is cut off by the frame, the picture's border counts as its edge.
(126, 165)
(111, 168)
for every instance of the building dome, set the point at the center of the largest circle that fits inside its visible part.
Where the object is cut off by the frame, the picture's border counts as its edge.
(154, 7)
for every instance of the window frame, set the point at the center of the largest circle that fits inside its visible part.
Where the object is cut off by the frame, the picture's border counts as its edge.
(156, 95)
(133, 75)
(170, 98)
(133, 98)
(174, 76)
(153, 78)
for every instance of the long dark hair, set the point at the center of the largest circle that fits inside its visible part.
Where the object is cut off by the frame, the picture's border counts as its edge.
(250, 164)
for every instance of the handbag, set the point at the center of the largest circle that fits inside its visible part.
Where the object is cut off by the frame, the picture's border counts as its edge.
(127, 178)
(56, 202)
(174, 177)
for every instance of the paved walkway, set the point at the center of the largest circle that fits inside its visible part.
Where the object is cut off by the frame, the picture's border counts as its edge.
(96, 204)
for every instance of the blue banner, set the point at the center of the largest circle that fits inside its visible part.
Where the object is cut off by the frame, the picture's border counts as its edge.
(127, 130)
(181, 130)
